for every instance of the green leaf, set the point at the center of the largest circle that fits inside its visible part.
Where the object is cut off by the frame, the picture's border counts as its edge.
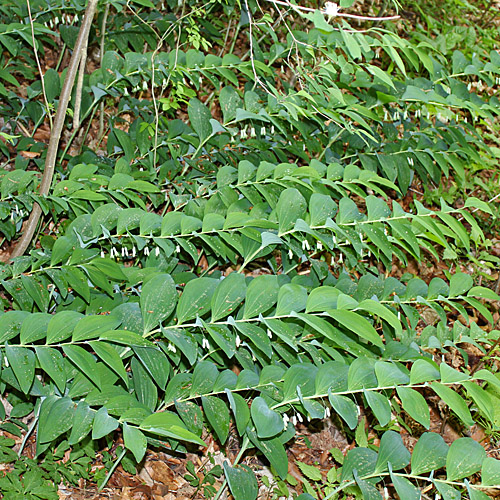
(52, 363)
(61, 326)
(267, 422)
(460, 283)
(262, 294)
(362, 460)
(230, 101)
(22, 360)
(62, 249)
(356, 324)
(476, 494)
(331, 375)
(191, 415)
(404, 488)
(378, 309)
(78, 281)
(472, 202)
(380, 75)
(205, 374)
(490, 472)
(423, 371)
(156, 363)
(240, 410)
(87, 194)
(291, 297)
(145, 3)
(351, 44)
(126, 338)
(83, 361)
(144, 387)
(129, 218)
(228, 296)
(488, 377)
(184, 341)
(301, 375)
(56, 417)
(82, 423)
(321, 207)
(10, 324)
(145, 187)
(52, 84)
(199, 116)
(242, 482)
(111, 357)
(223, 337)
(274, 451)
(380, 406)
(454, 401)
(447, 491)
(90, 327)
(171, 223)
(429, 453)
(348, 212)
(257, 336)
(311, 472)
(168, 424)
(389, 374)
(217, 415)
(368, 491)
(465, 458)
(103, 424)
(415, 405)
(34, 327)
(124, 139)
(332, 474)
(110, 268)
(36, 291)
(158, 300)
(393, 451)
(361, 374)
(195, 299)
(346, 408)
(318, 18)
(291, 206)
(106, 216)
(450, 375)
(483, 293)
(135, 441)
(322, 298)
(482, 399)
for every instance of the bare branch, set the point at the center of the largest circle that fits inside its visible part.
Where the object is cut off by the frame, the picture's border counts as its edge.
(56, 131)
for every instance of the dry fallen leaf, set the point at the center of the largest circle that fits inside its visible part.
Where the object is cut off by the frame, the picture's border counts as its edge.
(29, 154)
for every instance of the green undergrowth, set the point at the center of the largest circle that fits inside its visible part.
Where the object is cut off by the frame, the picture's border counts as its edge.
(237, 259)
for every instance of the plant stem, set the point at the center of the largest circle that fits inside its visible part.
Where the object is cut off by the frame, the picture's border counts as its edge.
(113, 468)
(86, 133)
(244, 447)
(56, 131)
(79, 87)
(59, 61)
(35, 51)
(346, 484)
(27, 435)
(334, 139)
(101, 55)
